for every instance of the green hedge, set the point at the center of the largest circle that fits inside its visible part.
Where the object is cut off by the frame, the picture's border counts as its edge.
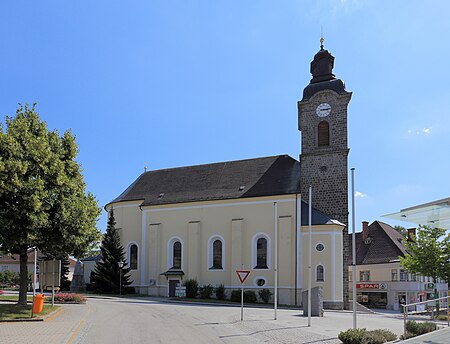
(206, 291)
(363, 336)
(249, 296)
(265, 295)
(191, 288)
(416, 329)
(220, 292)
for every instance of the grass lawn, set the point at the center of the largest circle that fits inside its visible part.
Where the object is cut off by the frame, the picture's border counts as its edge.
(14, 311)
(13, 298)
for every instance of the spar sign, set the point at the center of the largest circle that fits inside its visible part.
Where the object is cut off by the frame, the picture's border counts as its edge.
(371, 286)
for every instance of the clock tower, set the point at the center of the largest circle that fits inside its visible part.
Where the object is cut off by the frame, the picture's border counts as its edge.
(322, 120)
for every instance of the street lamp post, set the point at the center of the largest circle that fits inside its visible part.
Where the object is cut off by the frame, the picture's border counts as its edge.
(120, 276)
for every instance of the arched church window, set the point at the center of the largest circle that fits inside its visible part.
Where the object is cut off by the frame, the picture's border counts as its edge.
(176, 260)
(133, 257)
(261, 253)
(323, 134)
(217, 254)
(319, 273)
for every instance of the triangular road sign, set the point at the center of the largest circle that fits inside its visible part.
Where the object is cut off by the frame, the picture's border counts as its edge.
(242, 275)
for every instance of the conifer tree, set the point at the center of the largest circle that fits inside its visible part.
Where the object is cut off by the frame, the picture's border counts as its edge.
(64, 282)
(106, 275)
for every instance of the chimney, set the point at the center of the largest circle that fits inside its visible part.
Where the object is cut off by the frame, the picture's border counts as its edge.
(411, 234)
(365, 230)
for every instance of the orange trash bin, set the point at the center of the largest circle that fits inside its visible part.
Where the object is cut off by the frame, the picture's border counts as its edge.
(38, 303)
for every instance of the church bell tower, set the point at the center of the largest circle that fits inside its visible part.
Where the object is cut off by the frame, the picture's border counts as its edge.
(322, 120)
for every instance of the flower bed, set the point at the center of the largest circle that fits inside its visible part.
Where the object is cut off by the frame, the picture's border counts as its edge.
(69, 298)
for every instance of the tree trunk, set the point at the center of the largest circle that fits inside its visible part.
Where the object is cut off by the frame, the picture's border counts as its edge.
(23, 277)
(436, 296)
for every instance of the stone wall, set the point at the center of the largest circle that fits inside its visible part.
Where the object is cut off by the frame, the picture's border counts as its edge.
(325, 168)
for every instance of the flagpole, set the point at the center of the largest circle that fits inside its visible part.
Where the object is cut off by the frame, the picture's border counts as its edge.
(309, 257)
(242, 296)
(353, 249)
(34, 273)
(275, 269)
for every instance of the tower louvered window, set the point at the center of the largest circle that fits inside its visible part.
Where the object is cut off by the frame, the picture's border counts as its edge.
(323, 134)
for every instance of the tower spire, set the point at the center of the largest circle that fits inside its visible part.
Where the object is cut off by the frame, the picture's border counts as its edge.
(321, 37)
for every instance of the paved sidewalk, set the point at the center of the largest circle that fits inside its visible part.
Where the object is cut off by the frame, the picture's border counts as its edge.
(55, 330)
(437, 337)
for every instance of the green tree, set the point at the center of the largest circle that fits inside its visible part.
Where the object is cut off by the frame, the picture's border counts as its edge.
(43, 202)
(427, 255)
(445, 274)
(402, 230)
(106, 275)
(64, 282)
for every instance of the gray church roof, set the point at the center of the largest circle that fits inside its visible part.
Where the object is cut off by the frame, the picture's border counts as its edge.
(267, 176)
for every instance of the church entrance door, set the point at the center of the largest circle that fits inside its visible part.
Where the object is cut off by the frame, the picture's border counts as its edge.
(172, 286)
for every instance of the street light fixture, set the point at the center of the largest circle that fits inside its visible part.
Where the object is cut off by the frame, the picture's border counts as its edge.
(120, 276)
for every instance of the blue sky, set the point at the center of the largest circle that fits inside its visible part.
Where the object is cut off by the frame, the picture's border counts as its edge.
(173, 83)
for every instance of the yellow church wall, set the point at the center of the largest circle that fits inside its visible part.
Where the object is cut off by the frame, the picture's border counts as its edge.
(129, 223)
(330, 236)
(237, 223)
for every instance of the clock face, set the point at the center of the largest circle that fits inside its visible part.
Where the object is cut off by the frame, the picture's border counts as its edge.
(323, 110)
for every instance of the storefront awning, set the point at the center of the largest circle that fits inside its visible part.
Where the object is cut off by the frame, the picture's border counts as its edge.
(434, 214)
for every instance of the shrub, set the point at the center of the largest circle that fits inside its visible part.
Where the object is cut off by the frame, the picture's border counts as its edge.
(249, 296)
(220, 292)
(69, 297)
(129, 290)
(265, 295)
(191, 288)
(379, 337)
(362, 336)
(9, 278)
(206, 291)
(352, 336)
(235, 295)
(416, 329)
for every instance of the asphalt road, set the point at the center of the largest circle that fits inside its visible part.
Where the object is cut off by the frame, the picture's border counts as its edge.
(148, 320)
(143, 321)
(151, 321)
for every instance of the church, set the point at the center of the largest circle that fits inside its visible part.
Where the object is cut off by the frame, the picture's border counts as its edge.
(204, 222)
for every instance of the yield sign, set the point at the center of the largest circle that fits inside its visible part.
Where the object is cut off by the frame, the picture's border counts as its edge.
(242, 274)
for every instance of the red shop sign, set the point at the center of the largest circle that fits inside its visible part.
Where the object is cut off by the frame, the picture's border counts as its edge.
(367, 286)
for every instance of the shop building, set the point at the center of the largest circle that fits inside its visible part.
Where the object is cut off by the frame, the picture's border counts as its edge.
(381, 280)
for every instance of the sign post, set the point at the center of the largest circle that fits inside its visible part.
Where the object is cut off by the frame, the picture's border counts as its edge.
(242, 275)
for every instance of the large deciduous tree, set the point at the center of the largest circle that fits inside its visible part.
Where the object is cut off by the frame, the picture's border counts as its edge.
(43, 202)
(428, 253)
(106, 276)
